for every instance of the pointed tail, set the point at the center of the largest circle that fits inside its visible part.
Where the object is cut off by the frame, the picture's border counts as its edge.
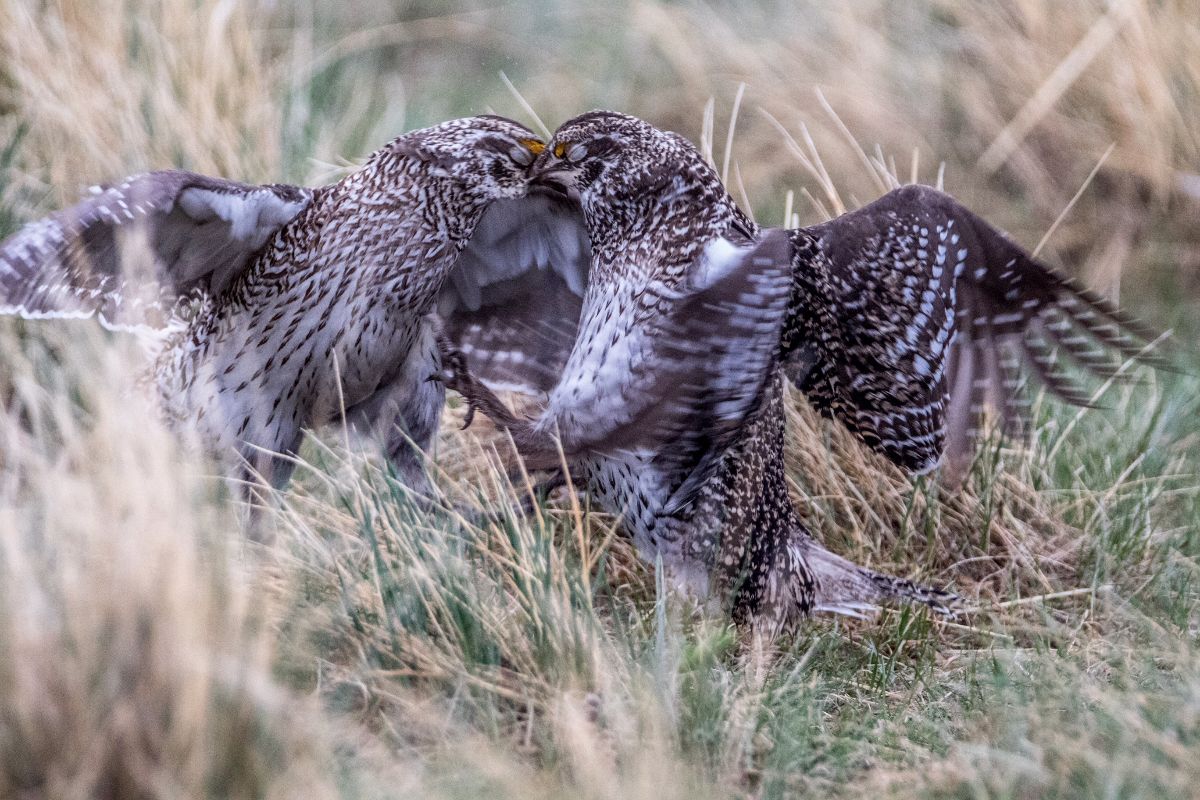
(843, 587)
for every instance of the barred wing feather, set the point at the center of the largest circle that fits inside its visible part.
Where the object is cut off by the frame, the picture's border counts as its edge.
(682, 381)
(127, 251)
(939, 315)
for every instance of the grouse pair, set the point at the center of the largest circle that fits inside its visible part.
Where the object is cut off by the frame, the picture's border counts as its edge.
(608, 270)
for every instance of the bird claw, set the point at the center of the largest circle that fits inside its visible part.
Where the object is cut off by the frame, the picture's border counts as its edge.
(455, 375)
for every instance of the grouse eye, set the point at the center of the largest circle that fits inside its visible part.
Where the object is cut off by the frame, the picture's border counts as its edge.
(523, 156)
(577, 153)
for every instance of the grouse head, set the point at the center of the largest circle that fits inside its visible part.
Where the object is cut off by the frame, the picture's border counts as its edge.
(488, 156)
(601, 155)
(628, 175)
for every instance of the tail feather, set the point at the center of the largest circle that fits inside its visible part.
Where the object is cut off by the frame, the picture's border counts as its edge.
(843, 587)
(902, 589)
(805, 578)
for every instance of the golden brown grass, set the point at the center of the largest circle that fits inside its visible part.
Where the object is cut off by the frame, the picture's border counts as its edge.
(134, 657)
(1018, 100)
(380, 649)
(119, 86)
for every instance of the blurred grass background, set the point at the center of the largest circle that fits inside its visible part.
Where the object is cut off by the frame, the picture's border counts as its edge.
(376, 649)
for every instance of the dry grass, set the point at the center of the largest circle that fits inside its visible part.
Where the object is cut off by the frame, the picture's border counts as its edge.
(380, 649)
(1017, 100)
(135, 661)
(119, 86)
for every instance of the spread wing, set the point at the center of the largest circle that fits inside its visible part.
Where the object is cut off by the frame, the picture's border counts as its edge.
(513, 301)
(682, 379)
(936, 316)
(126, 251)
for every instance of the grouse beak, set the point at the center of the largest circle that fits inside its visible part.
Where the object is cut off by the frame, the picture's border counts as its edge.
(558, 177)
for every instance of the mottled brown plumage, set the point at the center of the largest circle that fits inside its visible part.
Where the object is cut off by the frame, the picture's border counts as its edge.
(909, 319)
(912, 316)
(698, 476)
(906, 320)
(274, 309)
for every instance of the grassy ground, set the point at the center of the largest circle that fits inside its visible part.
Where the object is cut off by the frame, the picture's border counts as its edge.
(377, 649)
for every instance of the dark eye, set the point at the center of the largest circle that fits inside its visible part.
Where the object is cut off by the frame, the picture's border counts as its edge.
(576, 153)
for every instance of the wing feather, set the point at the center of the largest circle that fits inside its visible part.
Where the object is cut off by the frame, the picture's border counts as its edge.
(893, 266)
(127, 251)
(513, 301)
(681, 383)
